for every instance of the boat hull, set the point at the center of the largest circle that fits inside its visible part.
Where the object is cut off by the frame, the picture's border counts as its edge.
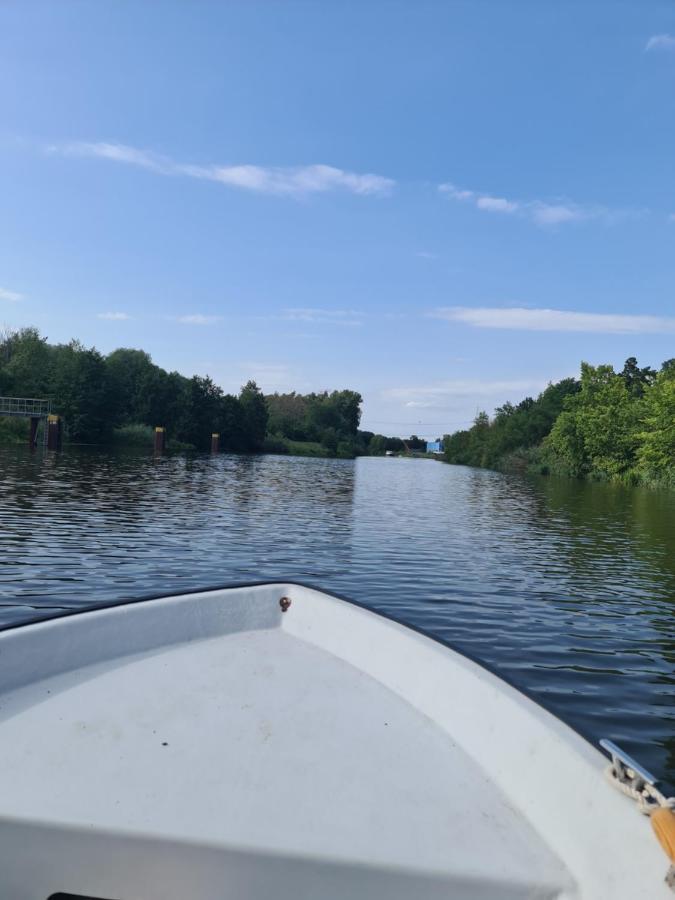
(227, 744)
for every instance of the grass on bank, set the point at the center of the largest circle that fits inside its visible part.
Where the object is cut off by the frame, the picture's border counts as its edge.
(14, 430)
(278, 444)
(142, 437)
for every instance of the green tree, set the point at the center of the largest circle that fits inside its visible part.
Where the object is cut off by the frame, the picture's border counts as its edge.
(457, 448)
(288, 415)
(597, 430)
(25, 363)
(133, 381)
(637, 379)
(202, 412)
(377, 445)
(255, 415)
(97, 395)
(168, 400)
(416, 443)
(231, 424)
(81, 392)
(479, 437)
(656, 440)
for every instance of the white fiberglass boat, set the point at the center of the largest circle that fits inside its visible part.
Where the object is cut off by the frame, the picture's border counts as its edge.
(273, 741)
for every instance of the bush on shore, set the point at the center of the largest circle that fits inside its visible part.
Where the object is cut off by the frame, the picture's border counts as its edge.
(605, 426)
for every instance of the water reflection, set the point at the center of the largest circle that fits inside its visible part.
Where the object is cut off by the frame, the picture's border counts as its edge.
(565, 588)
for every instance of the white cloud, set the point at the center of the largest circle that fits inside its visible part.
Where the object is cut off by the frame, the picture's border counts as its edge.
(10, 296)
(455, 192)
(557, 213)
(424, 254)
(297, 181)
(523, 319)
(537, 211)
(437, 394)
(114, 316)
(290, 181)
(496, 204)
(117, 153)
(660, 42)
(324, 316)
(197, 319)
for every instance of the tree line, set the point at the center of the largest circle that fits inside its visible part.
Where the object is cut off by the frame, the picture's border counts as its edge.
(123, 395)
(604, 425)
(332, 420)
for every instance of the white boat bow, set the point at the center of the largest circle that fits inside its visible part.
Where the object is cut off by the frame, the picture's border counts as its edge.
(276, 741)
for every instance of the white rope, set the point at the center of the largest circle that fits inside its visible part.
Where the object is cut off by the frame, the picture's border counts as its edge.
(646, 795)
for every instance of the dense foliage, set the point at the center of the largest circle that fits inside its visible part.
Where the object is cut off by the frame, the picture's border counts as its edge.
(104, 397)
(612, 425)
(122, 396)
(328, 419)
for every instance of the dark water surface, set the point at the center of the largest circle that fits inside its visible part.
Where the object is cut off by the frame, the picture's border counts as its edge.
(567, 589)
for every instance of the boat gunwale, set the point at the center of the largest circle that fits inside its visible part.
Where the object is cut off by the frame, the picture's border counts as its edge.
(591, 740)
(588, 755)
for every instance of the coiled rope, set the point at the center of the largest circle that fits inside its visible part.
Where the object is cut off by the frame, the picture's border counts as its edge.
(651, 802)
(647, 796)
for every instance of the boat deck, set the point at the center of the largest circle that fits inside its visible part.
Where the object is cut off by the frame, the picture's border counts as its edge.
(259, 740)
(216, 747)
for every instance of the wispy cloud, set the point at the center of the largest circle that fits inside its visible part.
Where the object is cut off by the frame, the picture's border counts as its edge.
(660, 42)
(523, 319)
(10, 296)
(424, 254)
(114, 316)
(349, 317)
(197, 319)
(289, 181)
(496, 204)
(438, 394)
(538, 211)
(269, 376)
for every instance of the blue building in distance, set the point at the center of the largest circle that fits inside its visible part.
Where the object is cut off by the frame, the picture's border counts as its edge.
(434, 446)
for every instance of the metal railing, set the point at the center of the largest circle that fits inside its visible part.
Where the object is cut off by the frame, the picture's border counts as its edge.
(25, 406)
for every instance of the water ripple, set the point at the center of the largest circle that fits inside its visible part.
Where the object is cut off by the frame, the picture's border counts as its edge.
(564, 588)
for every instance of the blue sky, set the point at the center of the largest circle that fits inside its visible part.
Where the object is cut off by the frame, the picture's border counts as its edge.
(443, 205)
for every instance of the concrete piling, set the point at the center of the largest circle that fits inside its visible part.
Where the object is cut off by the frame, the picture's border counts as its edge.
(215, 442)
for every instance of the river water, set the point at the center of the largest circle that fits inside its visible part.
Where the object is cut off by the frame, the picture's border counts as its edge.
(567, 589)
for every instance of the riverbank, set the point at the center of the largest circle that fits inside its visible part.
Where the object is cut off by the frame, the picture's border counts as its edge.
(541, 460)
(14, 432)
(286, 447)
(606, 426)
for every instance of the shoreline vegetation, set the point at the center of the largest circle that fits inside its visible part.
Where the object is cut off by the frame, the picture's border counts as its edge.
(604, 426)
(118, 399)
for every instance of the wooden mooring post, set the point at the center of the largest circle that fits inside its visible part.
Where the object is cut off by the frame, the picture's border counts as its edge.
(54, 432)
(215, 442)
(160, 440)
(33, 435)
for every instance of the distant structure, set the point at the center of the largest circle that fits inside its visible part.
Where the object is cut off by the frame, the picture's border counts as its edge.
(36, 410)
(435, 447)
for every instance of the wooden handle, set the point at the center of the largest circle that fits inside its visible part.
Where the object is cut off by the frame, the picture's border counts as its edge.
(663, 823)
